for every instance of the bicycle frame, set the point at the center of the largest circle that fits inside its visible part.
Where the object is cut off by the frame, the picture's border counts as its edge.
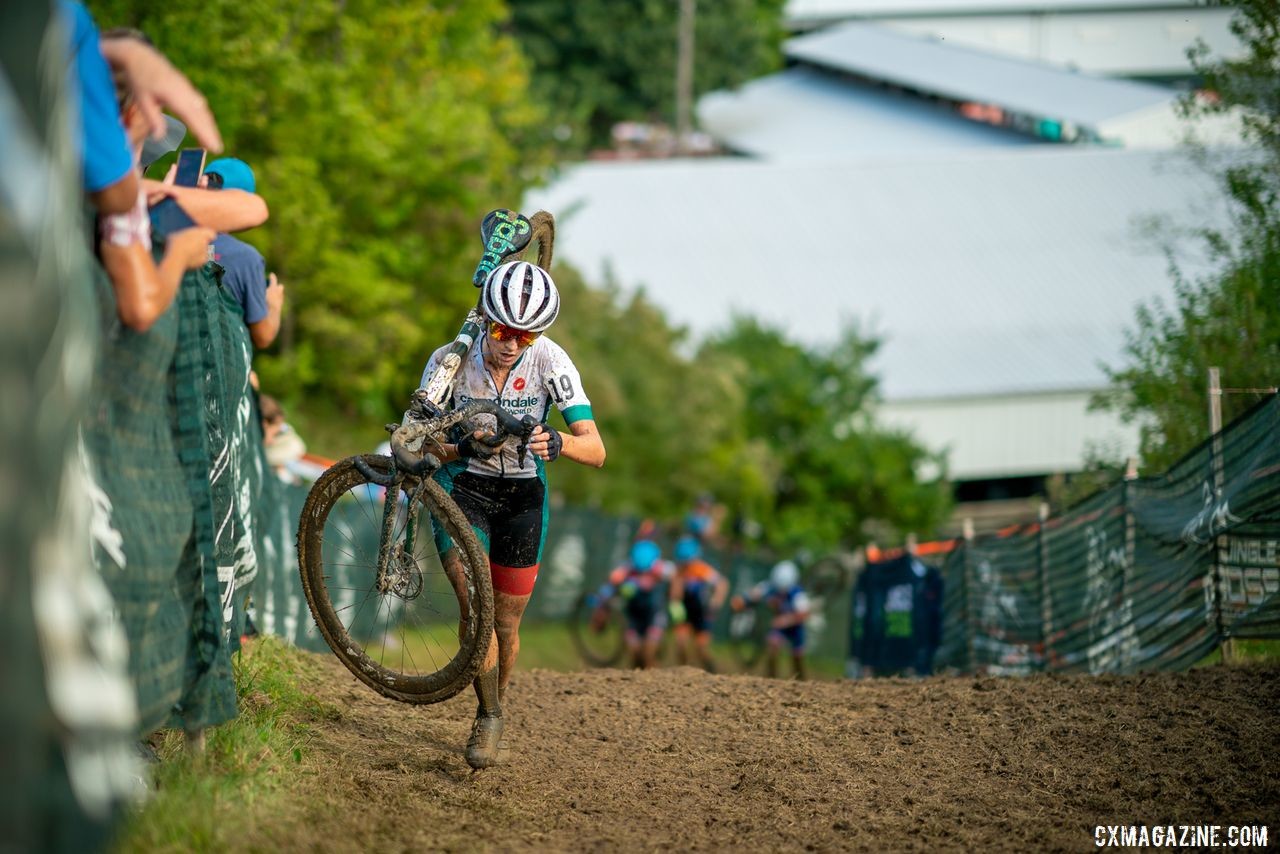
(505, 235)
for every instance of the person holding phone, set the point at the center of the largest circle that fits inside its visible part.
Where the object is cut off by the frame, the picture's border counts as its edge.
(261, 296)
(144, 288)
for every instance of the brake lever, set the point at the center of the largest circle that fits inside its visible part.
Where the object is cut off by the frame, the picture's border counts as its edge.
(530, 424)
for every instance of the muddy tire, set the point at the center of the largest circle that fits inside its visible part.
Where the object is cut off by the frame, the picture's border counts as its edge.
(403, 640)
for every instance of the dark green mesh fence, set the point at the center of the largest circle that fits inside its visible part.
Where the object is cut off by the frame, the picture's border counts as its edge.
(68, 718)
(1151, 574)
(582, 547)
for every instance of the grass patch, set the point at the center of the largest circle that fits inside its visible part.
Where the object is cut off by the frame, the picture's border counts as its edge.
(250, 765)
(1244, 651)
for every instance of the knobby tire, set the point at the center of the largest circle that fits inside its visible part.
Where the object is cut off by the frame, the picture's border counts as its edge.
(437, 680)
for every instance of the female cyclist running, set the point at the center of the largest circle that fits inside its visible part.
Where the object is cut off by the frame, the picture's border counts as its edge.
(504, 494)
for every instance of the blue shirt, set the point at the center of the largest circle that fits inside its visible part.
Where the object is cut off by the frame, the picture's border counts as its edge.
(106, 154)
(245, 277)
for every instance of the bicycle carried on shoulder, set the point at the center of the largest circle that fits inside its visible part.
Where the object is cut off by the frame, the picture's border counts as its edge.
(408, 624)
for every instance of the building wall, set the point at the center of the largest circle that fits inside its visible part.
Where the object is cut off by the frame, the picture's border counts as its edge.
(1124, 44)
(1013, 435)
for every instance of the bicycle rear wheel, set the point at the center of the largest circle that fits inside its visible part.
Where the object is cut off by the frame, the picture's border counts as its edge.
(399, 635)
(596, 630)
(828, 577)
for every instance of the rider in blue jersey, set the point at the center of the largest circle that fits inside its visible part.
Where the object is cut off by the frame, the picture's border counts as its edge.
(640, 583)
(790, 606)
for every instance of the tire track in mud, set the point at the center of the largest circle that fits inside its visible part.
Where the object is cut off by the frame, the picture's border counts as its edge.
(676, 758)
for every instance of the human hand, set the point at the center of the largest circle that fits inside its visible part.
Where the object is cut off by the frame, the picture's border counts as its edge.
(545, 442)
(190, 245)
(472, 447)
(156, 84)
(737, 603)
(275, 293)
(158, 191)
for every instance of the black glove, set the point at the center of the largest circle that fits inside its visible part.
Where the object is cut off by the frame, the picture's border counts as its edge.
(470, 446)
(554, 444)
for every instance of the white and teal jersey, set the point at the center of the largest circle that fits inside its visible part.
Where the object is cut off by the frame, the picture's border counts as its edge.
(543, 375)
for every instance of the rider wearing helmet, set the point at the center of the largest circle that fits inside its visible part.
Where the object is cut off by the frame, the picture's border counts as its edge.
(639, 582)
(503, 496)
(697, 592)
(790, 606)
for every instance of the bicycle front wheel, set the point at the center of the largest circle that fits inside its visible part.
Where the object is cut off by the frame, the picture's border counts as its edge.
(596, 630)
(399, 630)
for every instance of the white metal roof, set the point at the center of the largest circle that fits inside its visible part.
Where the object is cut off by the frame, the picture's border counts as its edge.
(1144, 42)
(802, 112)
(1013, 436)
(963, 74)
(984, 273)
(811, 10)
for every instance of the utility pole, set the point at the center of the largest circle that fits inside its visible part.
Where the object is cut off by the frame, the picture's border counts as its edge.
(684, 75)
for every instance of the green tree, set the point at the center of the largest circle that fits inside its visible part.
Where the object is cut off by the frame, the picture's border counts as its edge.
(603, 61)
(672, 424)
(832, 470)
(1230, 318)
(380, 132)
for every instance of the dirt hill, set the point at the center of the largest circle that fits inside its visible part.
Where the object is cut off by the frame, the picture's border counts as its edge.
(676, 758)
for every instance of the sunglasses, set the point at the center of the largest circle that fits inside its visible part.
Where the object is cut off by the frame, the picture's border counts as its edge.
(502, 332)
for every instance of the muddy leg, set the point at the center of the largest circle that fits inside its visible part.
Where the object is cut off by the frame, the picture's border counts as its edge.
(486, 732)
(649, 652)
(801, 670)
(508, 610)
(703, 647)
(771, 656)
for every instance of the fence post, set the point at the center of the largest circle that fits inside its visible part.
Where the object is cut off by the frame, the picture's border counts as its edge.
(966, 576)
(1130, 554)
(1216, 464)
(1046, 606)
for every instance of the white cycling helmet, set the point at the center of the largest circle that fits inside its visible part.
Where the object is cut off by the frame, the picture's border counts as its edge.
(784, 575)
(521, 295)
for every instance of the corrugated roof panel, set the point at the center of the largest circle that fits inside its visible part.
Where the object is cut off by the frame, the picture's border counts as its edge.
(963, 74)
(984, 273)
(1014, 436)
(802, 113)
(1153, 42)
(817, 10)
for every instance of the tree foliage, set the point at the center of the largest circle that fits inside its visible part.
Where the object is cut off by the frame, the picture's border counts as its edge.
(781, 434)
(1230, 318)
(382, 132)
(379, 132)
(603, 61)
(831, 471)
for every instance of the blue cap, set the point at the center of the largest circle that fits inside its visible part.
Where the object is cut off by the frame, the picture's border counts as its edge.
(687, 548)
(644, 554)
(236, 174)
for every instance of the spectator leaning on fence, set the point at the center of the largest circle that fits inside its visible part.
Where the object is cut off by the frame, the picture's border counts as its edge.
(261, 296)
(144, 288)
(144, 535)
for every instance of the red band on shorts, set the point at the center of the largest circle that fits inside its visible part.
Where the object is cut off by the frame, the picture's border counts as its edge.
(513, 580)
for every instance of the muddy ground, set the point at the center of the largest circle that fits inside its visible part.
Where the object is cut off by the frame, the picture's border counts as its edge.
(679, 759)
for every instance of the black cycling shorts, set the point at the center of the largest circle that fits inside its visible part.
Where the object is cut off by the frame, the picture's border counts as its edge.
(509, 515)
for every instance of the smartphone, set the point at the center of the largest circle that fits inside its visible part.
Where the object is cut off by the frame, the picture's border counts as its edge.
(168, 217)
(190, 165)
